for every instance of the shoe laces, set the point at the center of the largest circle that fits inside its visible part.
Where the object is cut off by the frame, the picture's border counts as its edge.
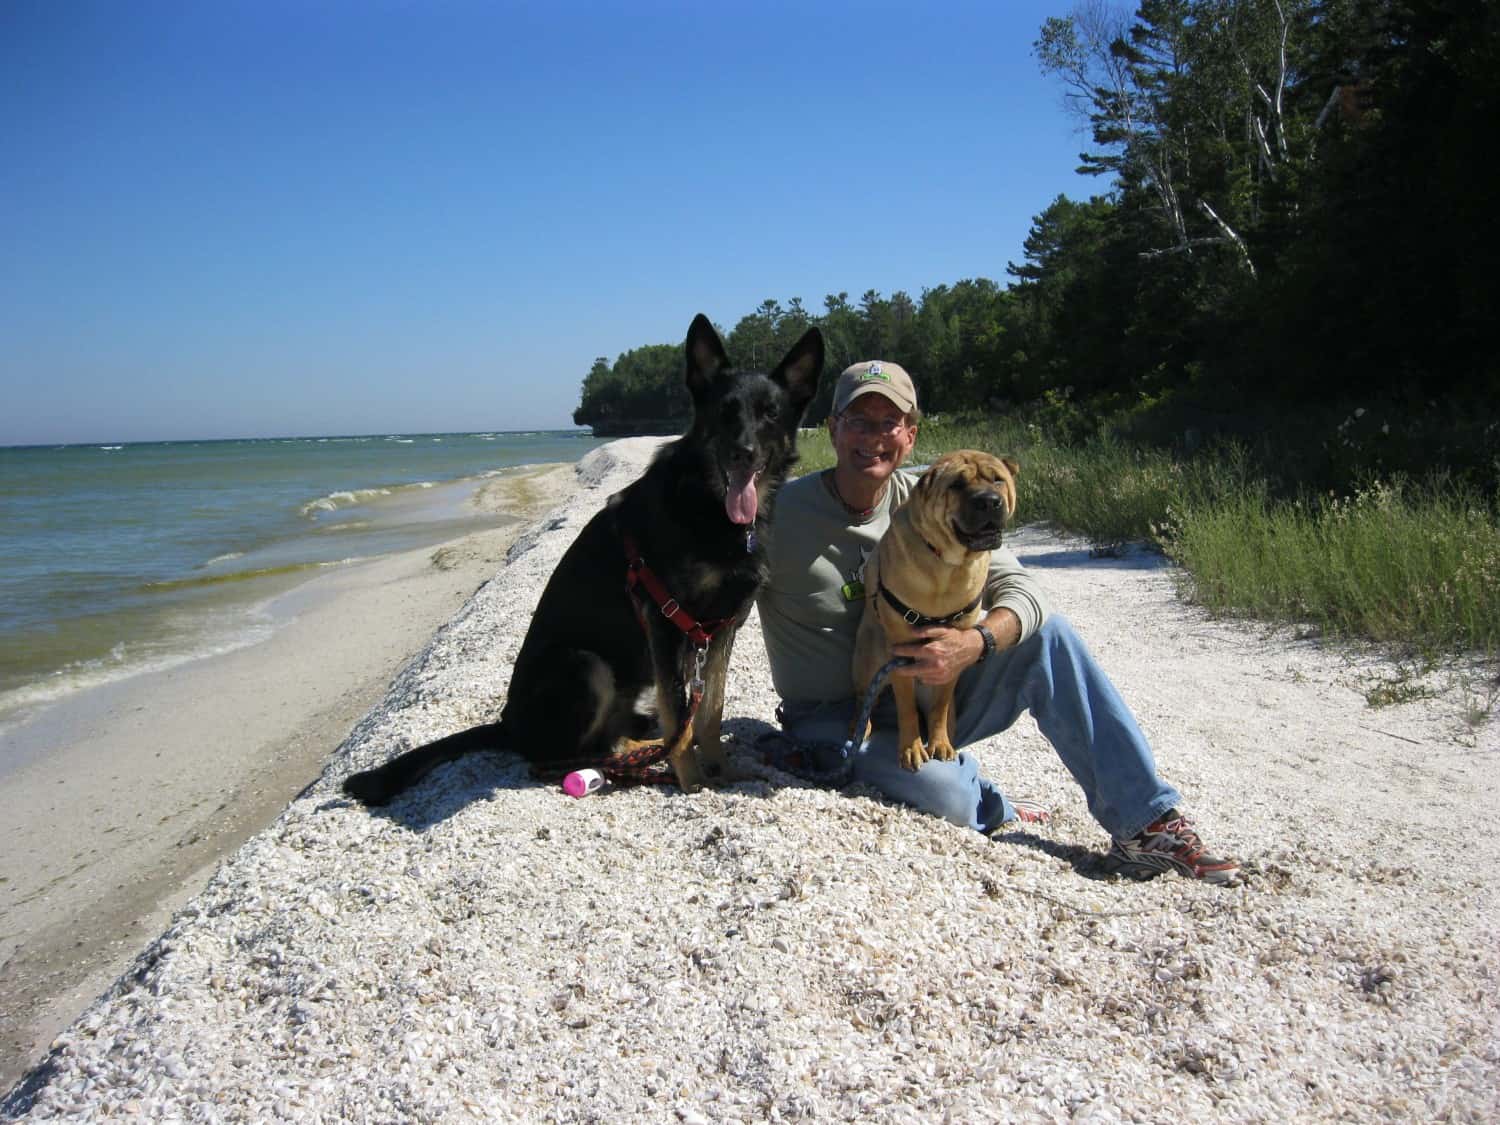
(1176, 834)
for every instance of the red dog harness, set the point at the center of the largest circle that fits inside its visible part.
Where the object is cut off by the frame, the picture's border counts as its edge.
(700, 633)
(637, 573)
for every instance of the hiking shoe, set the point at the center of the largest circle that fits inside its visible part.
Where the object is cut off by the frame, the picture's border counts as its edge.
(1170, 844)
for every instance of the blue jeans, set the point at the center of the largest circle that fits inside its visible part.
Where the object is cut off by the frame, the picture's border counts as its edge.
(1052, 675)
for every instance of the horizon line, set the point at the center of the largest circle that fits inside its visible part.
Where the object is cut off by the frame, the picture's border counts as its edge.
(377, 435)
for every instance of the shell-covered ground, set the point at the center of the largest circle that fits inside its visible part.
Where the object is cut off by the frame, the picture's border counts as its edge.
(490, 948)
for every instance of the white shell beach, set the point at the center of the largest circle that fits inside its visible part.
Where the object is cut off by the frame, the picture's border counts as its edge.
(491, 949)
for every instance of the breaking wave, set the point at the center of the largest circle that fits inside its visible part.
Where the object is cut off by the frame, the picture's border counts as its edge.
(343, 499)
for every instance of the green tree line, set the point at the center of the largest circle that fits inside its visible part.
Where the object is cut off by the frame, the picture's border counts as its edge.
(1291, 242)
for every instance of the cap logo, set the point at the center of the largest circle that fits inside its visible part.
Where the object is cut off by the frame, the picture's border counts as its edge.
(874, 372)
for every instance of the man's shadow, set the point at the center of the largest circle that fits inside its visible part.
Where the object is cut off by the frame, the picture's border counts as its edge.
(1085, 862)
(749, 733)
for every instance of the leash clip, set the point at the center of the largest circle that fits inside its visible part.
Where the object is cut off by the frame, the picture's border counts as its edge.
(700, 658)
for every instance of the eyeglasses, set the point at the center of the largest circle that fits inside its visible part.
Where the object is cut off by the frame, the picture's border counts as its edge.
(885, 427)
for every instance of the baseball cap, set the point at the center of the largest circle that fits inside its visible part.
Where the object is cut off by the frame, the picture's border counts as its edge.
(878, 377)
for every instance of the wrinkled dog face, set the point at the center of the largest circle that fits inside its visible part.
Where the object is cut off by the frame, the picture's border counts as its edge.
(968, 497)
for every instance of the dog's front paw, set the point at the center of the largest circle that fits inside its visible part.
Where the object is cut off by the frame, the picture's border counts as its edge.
(690, 777)
(942, 750)
(715, 764)
(913, 754)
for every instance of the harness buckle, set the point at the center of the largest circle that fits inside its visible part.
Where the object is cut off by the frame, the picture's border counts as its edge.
(911, 617)
(669, 607)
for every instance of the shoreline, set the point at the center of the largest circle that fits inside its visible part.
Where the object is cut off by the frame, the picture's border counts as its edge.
(125, 796)
(236, 600)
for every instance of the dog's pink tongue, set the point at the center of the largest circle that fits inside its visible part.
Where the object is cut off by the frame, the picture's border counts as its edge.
(740, 500)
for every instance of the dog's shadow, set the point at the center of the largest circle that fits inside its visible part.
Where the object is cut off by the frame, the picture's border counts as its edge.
(484, 775)
(449, 789)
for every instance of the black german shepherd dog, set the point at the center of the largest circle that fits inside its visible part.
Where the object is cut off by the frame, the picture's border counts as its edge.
(652, 591)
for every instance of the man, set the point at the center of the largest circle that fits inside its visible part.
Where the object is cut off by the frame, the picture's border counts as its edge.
(826, 525)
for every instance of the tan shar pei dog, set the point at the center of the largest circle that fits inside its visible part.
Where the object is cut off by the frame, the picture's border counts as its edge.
(929, 569)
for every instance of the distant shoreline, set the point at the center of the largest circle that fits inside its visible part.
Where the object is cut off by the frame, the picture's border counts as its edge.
(643, 427)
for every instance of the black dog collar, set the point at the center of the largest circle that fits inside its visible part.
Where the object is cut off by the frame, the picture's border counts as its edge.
(912, 617)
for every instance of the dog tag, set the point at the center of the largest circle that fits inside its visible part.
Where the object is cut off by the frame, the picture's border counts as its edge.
(853, 591)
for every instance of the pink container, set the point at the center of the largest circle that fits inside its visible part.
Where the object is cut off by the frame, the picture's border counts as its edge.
(580, 783)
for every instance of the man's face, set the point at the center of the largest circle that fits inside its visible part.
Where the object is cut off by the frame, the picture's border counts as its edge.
(871, 437)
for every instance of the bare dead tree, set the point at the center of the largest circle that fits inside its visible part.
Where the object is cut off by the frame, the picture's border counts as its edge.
(1107, 73)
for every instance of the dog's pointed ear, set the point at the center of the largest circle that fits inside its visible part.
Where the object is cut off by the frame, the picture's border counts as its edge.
(800, 370)
(706, 358)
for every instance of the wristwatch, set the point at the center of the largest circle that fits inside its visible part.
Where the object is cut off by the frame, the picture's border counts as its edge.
(989, 641)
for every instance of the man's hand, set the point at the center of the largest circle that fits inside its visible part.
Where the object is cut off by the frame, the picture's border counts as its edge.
(940, 654)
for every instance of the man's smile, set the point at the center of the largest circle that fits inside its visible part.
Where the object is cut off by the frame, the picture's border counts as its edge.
(874, 455)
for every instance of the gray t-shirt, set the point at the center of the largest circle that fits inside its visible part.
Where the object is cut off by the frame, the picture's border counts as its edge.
(810, 608)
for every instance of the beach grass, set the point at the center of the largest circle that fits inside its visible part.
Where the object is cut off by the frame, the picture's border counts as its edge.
(1414, 563)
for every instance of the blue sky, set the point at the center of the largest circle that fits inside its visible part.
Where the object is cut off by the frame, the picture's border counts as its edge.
(246, 219)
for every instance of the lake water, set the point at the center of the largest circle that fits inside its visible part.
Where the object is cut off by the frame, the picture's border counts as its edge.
(115, 559)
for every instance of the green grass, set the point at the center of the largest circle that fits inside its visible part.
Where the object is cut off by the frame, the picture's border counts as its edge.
(1414, 563)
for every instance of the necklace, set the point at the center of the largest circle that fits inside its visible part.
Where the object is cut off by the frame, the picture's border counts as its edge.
(860, 514)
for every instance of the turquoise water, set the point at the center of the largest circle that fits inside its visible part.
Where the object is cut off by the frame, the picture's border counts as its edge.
(119, 558)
